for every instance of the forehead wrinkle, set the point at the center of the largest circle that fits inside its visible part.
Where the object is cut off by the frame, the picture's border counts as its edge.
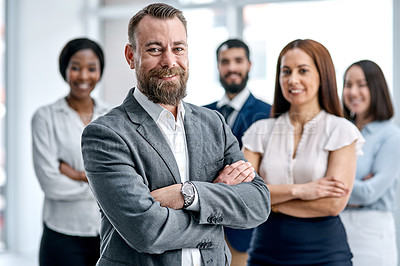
(176, 43)
(180, 43)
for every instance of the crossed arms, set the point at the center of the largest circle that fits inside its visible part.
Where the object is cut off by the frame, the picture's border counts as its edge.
(326, 196)
(123, 170)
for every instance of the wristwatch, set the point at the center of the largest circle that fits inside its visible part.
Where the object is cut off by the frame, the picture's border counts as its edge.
(188, 194)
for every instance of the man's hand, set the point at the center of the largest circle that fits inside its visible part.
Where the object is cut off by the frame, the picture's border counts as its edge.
(170, 196)
(70, 172)
(236, 173)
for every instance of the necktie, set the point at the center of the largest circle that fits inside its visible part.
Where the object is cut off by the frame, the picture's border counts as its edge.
(226, 110)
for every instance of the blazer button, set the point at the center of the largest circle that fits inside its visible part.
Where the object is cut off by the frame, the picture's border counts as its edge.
(220, 219)
(209, 244)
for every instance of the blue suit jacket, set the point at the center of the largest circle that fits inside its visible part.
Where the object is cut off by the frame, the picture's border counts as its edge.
(252, 110)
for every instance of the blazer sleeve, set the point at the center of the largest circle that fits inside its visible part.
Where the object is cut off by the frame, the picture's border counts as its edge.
(125, 199)
(245, 205)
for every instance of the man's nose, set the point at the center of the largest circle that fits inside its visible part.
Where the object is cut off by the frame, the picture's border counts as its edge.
(168, 59)
(232, 67)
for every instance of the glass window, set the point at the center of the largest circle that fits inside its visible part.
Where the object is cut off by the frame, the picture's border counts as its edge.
(347, 33)
(2, 127)
(118, 78)
(351, 30)
(206, 29)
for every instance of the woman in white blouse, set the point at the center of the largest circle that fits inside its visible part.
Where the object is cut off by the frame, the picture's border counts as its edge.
(306, 153)
(71, 218)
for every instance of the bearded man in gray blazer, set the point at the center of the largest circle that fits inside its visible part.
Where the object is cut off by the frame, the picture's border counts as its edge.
(167, 175)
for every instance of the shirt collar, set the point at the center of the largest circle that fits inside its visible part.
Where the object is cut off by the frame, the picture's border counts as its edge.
(63, 106)
(154, 109)
(237, 102)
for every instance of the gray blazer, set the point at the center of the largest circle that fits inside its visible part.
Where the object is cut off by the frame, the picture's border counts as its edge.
(126, 157)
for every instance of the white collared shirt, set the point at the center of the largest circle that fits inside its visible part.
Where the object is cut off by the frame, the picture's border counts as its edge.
(236, 103)
(69, 206)
(174, 132)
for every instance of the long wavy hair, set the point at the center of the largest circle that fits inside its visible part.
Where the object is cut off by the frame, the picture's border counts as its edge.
(327, 94)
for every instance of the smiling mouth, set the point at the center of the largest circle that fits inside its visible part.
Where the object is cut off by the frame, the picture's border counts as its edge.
(233, 75)
(83, 86)
(295, 91)
(355, 101)
(168, 76)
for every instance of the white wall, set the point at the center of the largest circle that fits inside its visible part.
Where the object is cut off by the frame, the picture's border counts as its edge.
(36, 32)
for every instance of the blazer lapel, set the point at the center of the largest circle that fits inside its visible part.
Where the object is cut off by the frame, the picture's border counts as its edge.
(149, 130)
(194, 137)
(240, 121)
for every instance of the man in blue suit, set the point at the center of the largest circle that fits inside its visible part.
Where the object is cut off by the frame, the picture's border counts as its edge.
(240, 109)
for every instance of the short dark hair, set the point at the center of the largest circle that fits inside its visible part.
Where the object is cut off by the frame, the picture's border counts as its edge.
(157, 10)
(327, 94)
(381, 107)
(234, 43)
(74, 46)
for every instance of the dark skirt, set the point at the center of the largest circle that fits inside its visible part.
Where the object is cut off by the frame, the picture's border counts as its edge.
(287, 240)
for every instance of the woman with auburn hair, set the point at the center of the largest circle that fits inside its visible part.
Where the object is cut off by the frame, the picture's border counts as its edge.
(306, 153)
(368, 217)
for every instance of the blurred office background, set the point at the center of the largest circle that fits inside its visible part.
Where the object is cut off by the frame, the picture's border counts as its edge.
(32, 34)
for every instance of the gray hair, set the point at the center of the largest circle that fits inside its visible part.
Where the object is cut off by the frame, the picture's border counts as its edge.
(157, 10)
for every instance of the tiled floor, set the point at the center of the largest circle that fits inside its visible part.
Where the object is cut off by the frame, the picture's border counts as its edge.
(11, 259)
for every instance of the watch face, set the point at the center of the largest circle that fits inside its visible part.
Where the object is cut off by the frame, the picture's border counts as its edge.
(188, 189)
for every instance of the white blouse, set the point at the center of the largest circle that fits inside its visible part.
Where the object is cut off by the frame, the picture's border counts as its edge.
(69, 206)
(274, 139)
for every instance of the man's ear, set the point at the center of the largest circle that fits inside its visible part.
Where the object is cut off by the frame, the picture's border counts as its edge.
(129, 56)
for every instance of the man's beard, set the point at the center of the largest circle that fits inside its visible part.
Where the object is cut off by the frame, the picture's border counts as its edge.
(160, 91)
(234, 88)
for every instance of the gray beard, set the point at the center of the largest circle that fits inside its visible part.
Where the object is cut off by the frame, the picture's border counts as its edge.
(162, 92)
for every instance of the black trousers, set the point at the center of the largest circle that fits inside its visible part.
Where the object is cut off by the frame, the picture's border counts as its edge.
(58, 249)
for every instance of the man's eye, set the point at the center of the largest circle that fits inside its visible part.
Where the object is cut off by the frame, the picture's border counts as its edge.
(154, 50)
(179, 50)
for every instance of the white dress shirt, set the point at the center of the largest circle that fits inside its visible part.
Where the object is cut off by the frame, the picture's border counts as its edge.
(69, 205)
(236, 103)
(174, 132)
